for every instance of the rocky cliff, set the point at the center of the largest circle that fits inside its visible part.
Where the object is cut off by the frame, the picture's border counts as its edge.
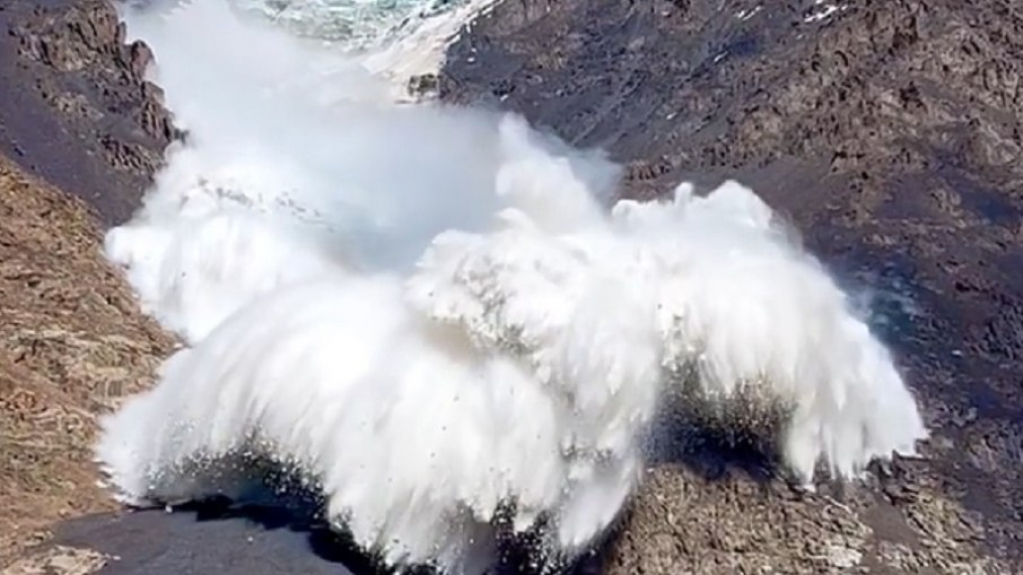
(75, 108)
(890, 132)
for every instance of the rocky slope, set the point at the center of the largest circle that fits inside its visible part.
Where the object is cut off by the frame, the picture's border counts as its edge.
(890, 132)
(77, 122)
(75, 108)
(72, 341)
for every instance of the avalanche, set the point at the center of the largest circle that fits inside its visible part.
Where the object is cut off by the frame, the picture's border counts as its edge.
(442, 318)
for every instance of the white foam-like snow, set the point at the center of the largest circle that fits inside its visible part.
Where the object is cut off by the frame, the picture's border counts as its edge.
(395, 39)
(434, 314)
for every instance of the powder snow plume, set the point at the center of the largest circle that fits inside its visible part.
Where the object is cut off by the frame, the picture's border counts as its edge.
(442, 318)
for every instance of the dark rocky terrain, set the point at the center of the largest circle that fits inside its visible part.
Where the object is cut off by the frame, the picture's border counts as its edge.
(888, 131)
(74, 106)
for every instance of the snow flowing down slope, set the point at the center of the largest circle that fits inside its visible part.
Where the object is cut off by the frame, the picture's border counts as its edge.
(439, 317)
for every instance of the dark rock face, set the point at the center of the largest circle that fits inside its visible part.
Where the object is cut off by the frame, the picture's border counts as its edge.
(890, 131)
(74, 105)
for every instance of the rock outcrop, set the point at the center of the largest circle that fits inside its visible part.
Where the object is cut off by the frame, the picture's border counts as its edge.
(890, 131)
(75, 107)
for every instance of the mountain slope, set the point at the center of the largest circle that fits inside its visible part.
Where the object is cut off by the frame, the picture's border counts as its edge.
(886, 129)
(72, 341)
(889, 132)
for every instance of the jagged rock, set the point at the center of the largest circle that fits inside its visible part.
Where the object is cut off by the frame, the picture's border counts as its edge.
(76, 111)
(75, 107)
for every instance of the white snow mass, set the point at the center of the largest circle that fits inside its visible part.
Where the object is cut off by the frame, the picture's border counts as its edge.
(442, 317)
